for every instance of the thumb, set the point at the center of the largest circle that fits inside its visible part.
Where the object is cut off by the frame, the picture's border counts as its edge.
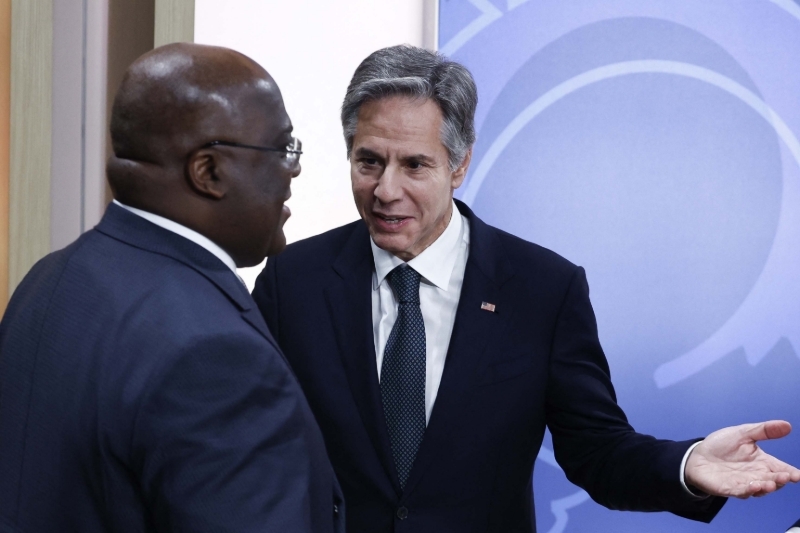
(773, 429)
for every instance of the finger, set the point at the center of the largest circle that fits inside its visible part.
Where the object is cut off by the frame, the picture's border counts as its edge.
(787, 471)
(772, 429)
(752, 489)
(780, 478)
(757, 489)
(760, 488)
(746, 491)
(776, 429)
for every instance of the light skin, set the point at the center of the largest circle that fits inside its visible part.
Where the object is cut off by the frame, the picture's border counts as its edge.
(730, 463)
(402, 184)
(403, 189)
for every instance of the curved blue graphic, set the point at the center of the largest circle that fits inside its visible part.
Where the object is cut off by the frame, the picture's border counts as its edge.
(656, 144)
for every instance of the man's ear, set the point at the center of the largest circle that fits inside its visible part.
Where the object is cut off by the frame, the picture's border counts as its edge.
(204, 175)
(460, 173)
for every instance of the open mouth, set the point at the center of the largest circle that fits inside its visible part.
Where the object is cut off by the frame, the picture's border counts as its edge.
(390, 222)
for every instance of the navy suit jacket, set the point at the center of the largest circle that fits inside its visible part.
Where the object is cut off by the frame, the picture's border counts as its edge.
(140, 390)
(533, 363)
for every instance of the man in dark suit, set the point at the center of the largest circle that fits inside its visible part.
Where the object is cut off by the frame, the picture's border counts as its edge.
(435, 349)
(140, 389)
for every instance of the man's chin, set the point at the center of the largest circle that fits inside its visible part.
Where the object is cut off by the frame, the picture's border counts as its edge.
(394, 245)
(390, 243)
(276, 248)
(276, 245)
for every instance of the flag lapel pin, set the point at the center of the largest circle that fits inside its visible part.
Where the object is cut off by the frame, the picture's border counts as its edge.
(486, 306)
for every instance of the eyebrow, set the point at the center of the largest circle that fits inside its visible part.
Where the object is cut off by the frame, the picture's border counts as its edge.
(366, 152)
(422, 158)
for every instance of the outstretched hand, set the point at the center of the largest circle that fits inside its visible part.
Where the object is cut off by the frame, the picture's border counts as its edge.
(730, 463)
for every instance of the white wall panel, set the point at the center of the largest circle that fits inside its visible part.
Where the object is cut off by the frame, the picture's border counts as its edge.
(311, 48)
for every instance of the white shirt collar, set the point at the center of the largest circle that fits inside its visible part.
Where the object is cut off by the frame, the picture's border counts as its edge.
(435, 264)
(185, 232)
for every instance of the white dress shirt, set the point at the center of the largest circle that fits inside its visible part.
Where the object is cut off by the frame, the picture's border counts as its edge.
(441, 266)
(185, 232)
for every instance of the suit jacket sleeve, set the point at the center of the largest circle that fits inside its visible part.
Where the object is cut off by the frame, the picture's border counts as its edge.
(593, 442)
(218, 444)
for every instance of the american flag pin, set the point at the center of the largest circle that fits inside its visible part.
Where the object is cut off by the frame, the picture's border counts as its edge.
(486, 306)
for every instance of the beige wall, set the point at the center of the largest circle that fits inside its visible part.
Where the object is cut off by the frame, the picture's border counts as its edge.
(31, 98)
(174, 21)
(5, 109)
(64, 60)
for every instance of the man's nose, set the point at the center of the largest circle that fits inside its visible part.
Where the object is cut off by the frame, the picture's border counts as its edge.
(296, 169)
(389, 186)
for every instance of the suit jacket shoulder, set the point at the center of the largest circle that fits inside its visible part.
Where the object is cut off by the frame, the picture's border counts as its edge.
(153, 378)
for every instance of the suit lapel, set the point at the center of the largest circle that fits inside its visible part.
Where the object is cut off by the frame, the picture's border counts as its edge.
(349, 299)
(350, 306)
(474, 330)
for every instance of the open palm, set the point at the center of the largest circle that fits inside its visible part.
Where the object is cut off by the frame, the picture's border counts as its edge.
(729, 462)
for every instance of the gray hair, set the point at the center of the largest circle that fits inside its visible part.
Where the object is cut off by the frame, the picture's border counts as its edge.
(417, 73)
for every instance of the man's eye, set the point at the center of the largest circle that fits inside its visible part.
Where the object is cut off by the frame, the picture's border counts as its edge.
(369, 161)
(415, 165)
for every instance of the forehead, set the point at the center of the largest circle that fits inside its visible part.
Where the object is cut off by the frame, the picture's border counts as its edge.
(400, 121)
(263, 111)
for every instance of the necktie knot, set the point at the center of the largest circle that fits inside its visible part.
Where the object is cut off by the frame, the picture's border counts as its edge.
(405, 283)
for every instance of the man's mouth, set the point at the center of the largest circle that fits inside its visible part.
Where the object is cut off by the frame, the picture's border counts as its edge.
(390, 221)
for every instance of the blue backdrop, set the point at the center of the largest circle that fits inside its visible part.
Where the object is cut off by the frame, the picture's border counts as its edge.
(654, 142)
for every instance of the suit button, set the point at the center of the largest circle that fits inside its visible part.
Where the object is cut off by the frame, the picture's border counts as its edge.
(402, 513)
(335, 509)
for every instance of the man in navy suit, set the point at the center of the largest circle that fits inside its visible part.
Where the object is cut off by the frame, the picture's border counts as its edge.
(435, 349)
(140, 389)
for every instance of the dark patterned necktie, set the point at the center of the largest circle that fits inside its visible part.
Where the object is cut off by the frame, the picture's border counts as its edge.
(403, 372)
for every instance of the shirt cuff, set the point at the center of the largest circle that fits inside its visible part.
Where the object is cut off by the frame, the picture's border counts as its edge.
(683, 472)
(794, 530)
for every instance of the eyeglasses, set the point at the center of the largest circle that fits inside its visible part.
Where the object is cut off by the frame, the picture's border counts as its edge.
(293, 150)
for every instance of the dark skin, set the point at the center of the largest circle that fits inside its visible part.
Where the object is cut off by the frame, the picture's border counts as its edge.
(173, 101)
